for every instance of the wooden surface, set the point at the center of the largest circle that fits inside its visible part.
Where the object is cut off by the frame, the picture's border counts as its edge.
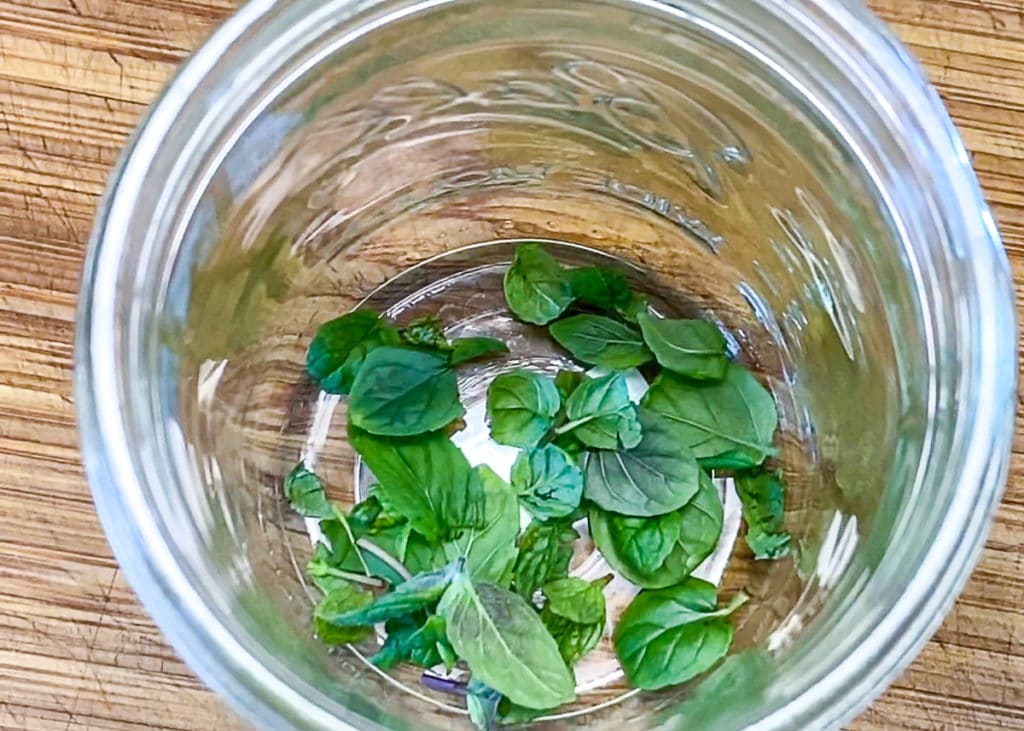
(76, 649)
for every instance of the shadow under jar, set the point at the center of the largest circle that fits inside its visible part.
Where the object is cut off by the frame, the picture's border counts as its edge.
(779, 168)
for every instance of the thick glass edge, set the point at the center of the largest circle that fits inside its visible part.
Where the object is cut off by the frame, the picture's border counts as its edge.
(193, 629)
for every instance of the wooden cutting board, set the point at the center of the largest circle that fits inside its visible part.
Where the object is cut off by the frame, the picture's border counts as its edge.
(76, 649)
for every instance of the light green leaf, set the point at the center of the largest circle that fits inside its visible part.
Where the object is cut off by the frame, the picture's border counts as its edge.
(691, 348)
(763, 496)
(601, 341)
(574, 639)
(668, 636)
(426, 332)
(423, 642)
(657, 476)
(728, 425)
(576, 599)
(521, 407)
(663, 550)
(505, 644)
(601, 415)
(404, 392)
(566, 382)
(466, 349)
(536, 287)
(420, 592)
(545, 550)
(548, 482)
(427, 479)
(305, 491)
(343, 598)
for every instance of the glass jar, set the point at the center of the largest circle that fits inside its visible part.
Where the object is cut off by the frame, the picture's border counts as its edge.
(780, 167)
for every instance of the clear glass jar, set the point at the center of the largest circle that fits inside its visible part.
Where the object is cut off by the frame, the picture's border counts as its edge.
(781, 167)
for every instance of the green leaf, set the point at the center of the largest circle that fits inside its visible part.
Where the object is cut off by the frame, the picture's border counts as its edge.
(692, 348)
(492, 549)
(601, 415)
(420, 592)
(423, 642)
(428, 479)
(403, 392)
(482, 704)
(566, 382)
(343, 598)
(663, 550)
(521, 407)
(574, 639)
(466, 349)
(548, 482)
(601, 341)
(764, 496)
(332, 345)
(384, 335)
(512, 715)
(505, 644)
(601, 288)
(668, 636)
(426, 332)
(536, 287)
(728, 425)
(657, 476)
(305, 491)
(372, 514)
(545, 550)
(576, 599)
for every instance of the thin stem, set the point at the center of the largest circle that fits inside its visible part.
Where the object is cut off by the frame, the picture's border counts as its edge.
(355, 578)
(570, 425)
(351, 537)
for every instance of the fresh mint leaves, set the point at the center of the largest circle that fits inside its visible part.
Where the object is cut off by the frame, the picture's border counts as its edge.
(763, 496)
(601, 341)
(600, 414)
(548, 481)
(691, 348)
(522, 407)
(536, 287)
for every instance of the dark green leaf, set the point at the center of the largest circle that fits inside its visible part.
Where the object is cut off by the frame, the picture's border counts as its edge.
(373, 513)
(344, 556)
(657, 476)
(423, 642)
(505, 644)
(536, 287)
(419, 592)
(692, 348)
(522, 407)
(568, 381)
(343, 598)
(601, 415)
(601, 288)
(576, 599)
(660, 551)
(332, 345)
(668, 636)
(492, 549)
(426, 332)
(764, 496)
(548, 482)
(728, 425)
(384, 335)
(428, 479)
(403, 392)
(601, 341)
(482, 704)
(305, 491)
(574, 639)
(466, 349)
(545, 550)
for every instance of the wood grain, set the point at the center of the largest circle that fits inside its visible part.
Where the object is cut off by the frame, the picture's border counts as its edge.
(76, 649)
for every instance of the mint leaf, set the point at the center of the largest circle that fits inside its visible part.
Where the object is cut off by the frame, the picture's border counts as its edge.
(668, 636)
(548, 482)
(305, 492)
(763, 496)
(335, 342)
(404, 392)
(423, 642)
(427, 479)
(691, 348)
(426, 332)
(601, 341)
(601, 415)
(545, 550)
(660, 551)
(657, 476)
(521, 407)
(729, 424)
(343, 598)
(566, 382)
(420, 592)
(466, 349)
(576, 599)
(505, 644)
(536, 287)
(574, 639)
(601, 288)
